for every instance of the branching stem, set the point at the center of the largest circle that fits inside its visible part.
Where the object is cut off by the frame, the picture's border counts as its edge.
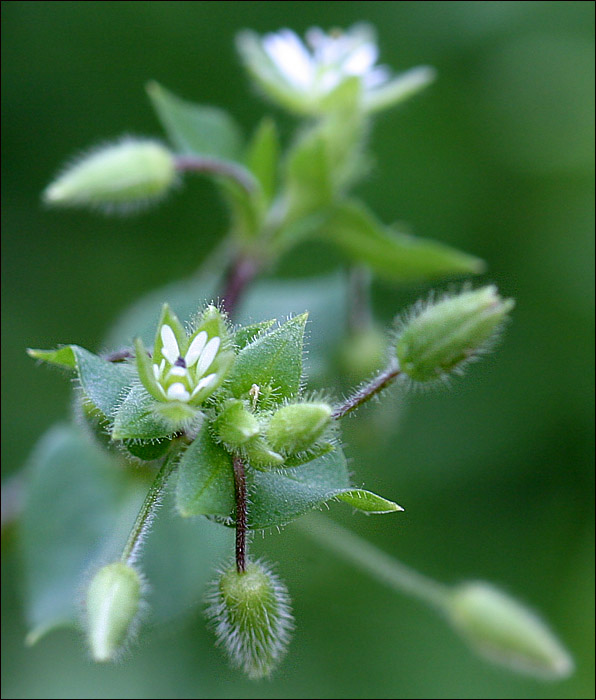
(369, 390)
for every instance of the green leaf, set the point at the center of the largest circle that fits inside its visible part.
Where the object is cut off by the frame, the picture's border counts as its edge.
(246, 334)
(367, 501)
(278, 497)
(76, 496)
(205, 479)
(195, 129)
(62, 357)
(104, 383)
(272, 361)
(323, 296)
(262, 156)
(394, 256)
(148, 450)
(401, 88)
(135, 418)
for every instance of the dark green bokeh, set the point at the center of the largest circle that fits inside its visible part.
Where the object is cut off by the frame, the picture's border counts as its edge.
(496, 475)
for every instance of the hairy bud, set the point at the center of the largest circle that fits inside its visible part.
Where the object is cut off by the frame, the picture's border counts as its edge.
(250, 613)
(298, 426)
(116, 177)
(235, 425)
(506, 632)
(113, 601)
(443, 336)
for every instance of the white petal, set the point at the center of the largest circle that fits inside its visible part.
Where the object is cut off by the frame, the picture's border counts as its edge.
(361, 59)
(203, 383)
(196, 348)
(169, 348)
(207, 356)
(290, 56)
(156, 372)
(178, 372)
(376, 77)
(177, 392)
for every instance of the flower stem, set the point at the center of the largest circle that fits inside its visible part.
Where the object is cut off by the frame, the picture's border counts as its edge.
(201, 164)
(148, 509)
(240, 274)
(241, 514)
(373, 561)
(369, 390)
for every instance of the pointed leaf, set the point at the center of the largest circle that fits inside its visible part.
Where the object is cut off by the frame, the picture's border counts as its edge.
(205, 479)
(367, 501)
(394, 256)
(273, 360)
(104, 383)
(278, 497)
(195, 129)
(247, 334)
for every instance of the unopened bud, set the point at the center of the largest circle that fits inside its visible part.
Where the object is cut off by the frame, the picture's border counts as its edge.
(298, 426)
(250, 613)
(440, 338)
(506, 632)
(116, 177)
(113, 601)
(235, 424)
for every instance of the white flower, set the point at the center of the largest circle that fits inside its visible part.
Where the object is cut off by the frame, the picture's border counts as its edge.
(301, 75)
(181, 377)
(332, 58)
(185, 369)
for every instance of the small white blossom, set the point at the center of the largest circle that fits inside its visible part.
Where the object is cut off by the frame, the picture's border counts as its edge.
(181, 377)
(301, 74)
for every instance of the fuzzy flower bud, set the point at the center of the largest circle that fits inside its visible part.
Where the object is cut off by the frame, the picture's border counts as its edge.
(250, 613)
(116, 177)
(298, 426)
(443, 336)
(235, 425)
(113, 601)
(506, 632)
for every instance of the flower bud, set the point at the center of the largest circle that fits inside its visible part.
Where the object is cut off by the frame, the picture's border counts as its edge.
(250, 613)
(116, 177)
(113, 601)
(235, 425)
(440, 338)
(506, 632)
(296, 427)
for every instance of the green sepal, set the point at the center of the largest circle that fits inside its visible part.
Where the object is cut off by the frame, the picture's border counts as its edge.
(136, 418)
(195, 129)
(168, 317)
(205, 479)
(246, 334)
(320, 449)
(273, 362)
(397, 257)
(296, 427)
(104, 383)
(401, 88)
(145, 370)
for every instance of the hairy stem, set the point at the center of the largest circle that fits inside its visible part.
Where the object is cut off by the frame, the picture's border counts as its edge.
(369, 390)
(202, 164)
(148, 509)
(374, 561)
(241, 513)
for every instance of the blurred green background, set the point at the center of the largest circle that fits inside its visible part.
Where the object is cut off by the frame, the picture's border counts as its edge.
(496, 475)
